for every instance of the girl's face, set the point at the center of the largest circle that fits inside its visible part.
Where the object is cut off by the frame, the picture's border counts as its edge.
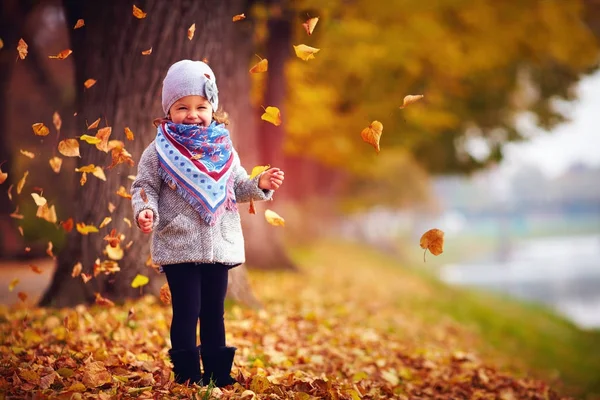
(191, 110)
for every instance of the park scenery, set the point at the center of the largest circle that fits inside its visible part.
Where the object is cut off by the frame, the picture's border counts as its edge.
(418, 248)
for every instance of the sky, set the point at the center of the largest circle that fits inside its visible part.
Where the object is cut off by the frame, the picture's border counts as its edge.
(576, 141)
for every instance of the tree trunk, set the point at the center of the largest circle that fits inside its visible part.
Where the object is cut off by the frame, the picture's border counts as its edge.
(127, 94)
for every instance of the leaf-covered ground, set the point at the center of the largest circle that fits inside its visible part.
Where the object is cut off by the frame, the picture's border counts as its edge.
(347, 327)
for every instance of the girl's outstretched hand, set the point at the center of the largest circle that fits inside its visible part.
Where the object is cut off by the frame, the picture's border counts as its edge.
(271, 179)
(145, 220)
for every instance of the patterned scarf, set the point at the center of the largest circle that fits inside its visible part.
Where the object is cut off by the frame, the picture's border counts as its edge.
(196, 161)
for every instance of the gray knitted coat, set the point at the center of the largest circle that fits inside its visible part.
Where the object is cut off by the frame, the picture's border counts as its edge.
(179, 234)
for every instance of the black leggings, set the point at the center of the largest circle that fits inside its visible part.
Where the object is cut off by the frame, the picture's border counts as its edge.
(197, 292)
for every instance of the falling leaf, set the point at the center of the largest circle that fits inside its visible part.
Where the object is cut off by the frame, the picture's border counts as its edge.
(94, 124)
(77, 268)
(107, 267)
(139, 281)
(113, 238)
(103, 134)
(309, 25)
(120, 155)
(252, 209)
(238, 17)
(39, 200)
(83, 179)
(22, 182)
(105, 222)
(26, 153)
(143, 195)
(114, 253)
(15, 214)
(131, 177)
(111, 207)
(49, 249)
(36, 269)
(55, 164)
(433, 240)
(27, 249)
(102, 301)
(128, 245)
(147, 52)
(40, 129)
(3, 175)
(22, 49)
(79, 24)
(67, 225)
(13, 284)
(62, 55)
(411, 99)
(86, 277)
(47, 213)
(305, 52)
(261, 66)
(191, 30)
(272, 115)
(69, 148)
(138, 13)
(1, 43)
(9, 192)
(273, 218)
(22, 296)
(128, 133)
(165, 294)
(57, 121)
(90, 139)
(89, 83)
(85, 229)
(372, 134)
(127, 221)
(123, 192)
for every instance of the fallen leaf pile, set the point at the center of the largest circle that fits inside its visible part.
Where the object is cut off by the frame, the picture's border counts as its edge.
(343, 337)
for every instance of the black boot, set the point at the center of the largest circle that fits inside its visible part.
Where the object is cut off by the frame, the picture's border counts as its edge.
(217, 364)
(186, 365)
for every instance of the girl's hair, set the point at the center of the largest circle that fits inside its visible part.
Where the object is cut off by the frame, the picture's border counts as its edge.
(220, 116)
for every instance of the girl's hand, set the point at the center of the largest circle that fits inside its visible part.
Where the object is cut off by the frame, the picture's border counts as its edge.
(271, 179)
(145, 220)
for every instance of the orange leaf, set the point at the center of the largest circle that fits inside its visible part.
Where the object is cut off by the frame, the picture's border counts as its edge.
(309, 25)
(105, 222)
(49, 250)
(102, 301)
(120, 155)
(123, 192)
(85, 229)
(35, 269)
(88, 84)
(13, 284)
(372, 134)
(57, 121)
(86, 277)
(22, 182)
(79, 24)
(411, 99)
(143, 195)
(251, 209)
(138, 13)
(3, 175)
(261, 66)
(433, 240)
(238, 17)
(69, 148)
(147, 52)
(128, 133)
(22, 296)
(15, 214)
(27, 153)
(40, 129)
(272, 115)
(83, 179)
(191, 30)
(67, 225)
(94, 124)
(127, 221)
(1, 43)
(165, 294)
(62, 55)
(305, 52)
(113, 238)
(103, 134)
(56, 164)
(22, 49)
(77, 268)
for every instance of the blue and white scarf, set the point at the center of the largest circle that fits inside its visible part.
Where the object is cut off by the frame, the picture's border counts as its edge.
(197, 162)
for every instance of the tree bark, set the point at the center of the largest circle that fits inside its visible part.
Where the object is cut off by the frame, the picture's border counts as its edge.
(127, 94)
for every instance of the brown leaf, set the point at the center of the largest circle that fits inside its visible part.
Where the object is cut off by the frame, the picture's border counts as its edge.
(411, 99)
(80, 23)
(372, 134)
(88, 84)
(309, 25)
(144, 195)
(138, 13)
(62, 55)
(433, 240)
(22, 49)
(238, 17)
(22, 296)
(191, 30)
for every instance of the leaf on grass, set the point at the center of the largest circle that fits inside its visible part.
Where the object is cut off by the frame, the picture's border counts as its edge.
(238, 17)
(139, 281)
(191, 30)
(138, 13)
(309, 25)
(88, 84)
(165, 294)
(273, 218)
(272, 115)
(305, 52)
(55, 164)
(147, 52)
(411, 99)
(372, 134)
(69, 148)
(22, 49)
(67, 225)
(432, 240)
(62, 55)
(40, 129)
(85, 229)
(77, 268)
(261, 66)
(22, 182)
(80, 23)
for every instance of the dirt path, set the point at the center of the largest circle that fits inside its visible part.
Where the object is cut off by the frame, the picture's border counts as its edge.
(30, 282)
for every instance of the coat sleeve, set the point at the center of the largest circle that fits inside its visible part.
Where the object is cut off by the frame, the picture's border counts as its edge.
(247, 189)
(147, 180)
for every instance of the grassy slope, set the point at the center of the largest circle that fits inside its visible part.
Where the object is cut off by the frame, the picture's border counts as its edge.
(524, 339)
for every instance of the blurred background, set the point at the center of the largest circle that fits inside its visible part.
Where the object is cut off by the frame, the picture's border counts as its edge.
(502, 153)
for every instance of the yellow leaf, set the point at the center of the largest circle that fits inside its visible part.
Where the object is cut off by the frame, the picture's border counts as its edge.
(123, 192)
(62, 55)
(47, 213)
(3, 176)
(258, 170)
(85, 229)
(105, 222)
(27, 153)
(114, 253)
(127, 221)
(99, 173)
(372, 134)
(273, 218)
(94, 124)
(261, 66)
(259, 384)
(238, 17)
(83, 179)
(39, 200)
(191, 30)
(433, 240)
(131, 177)
(57, 121)
(77, 387)
(138, 13)
(69, 148)
(111, 207)
(139, 280)
(272, 115)
(56, 164)
(22, 49)
(165, 294)
(77, 268)
(128, 133)
(103, 134)
(22, 182)
(40, 129)
(147, 52)
(86, 168)
(309, 25)
(411, 99)
(79, 24)
(90, 139)
(30, 376)
(13, 284)
(305, 52)
(88, 84)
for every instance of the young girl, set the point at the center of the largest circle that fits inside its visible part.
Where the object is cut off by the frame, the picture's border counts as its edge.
(188, 183)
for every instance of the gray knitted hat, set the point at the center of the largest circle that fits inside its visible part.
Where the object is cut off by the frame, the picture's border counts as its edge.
(187, 77)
